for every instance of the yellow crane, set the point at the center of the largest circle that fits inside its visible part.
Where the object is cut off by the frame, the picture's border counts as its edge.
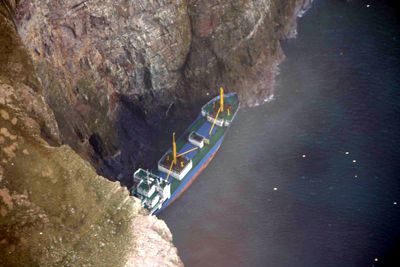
(221, 108)
(174, 155)
(188, 151)
(174, 148)
(221, 99)
(215, 120)
(173, 162)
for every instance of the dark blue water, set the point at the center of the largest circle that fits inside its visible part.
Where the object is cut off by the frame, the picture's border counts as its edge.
(338, 92)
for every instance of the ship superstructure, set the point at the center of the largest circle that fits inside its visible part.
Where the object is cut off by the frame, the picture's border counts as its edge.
(189, 155)
(151, 189)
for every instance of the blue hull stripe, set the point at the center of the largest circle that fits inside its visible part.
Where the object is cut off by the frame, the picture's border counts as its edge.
(191, 175)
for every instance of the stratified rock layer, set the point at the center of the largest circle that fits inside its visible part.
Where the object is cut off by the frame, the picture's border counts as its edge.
(104, 75)
(93, 56)
(54, 209)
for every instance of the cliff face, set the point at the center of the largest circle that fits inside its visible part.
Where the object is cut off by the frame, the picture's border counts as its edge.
(237, 43)
(113, 70)
(94, 56)
(54, 209)
(104, 76)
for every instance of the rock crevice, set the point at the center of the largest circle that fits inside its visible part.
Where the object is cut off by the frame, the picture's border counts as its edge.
(100, 59)
(100, 81)
(54, 209)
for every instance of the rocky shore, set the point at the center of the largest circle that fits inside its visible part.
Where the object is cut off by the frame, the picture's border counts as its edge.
(100, 82)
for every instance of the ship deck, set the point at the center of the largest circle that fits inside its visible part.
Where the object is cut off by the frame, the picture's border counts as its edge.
(231, 104)
(201, 126)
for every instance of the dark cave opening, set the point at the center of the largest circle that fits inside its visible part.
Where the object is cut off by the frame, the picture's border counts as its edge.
(97, 144)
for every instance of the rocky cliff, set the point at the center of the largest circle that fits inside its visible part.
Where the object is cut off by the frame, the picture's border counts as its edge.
(117, 73)
(102, 81)
(54, 209)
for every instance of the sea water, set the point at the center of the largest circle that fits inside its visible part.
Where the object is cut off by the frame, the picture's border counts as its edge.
(312, 178)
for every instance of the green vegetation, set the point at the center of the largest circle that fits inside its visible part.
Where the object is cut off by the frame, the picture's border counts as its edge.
(54, 209)
(59, 211)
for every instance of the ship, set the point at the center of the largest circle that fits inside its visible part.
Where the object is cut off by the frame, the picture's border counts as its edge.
(189, 155)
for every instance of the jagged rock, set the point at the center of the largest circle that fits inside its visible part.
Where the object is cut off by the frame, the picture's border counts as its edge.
(237, 44)
(54, 209)
(104, 73)
(94, 56)
(88, 53)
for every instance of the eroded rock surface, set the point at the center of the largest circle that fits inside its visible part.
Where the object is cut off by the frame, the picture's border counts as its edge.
(114, 71)
(93, 55)
(54, 209)
(101, 77)
(237, 43)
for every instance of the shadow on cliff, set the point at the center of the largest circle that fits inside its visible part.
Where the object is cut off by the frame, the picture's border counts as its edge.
(143, 137)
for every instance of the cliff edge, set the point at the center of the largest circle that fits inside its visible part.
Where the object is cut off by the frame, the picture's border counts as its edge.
(54, 209)
(116, 72)
(95, 81)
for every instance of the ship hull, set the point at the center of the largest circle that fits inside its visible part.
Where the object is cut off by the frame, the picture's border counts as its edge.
(191, 154)
(192, 175)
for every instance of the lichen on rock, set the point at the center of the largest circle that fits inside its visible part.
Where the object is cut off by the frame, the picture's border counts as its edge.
(111, 70)
(99, 77)
(54, 209)
(89, 52)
